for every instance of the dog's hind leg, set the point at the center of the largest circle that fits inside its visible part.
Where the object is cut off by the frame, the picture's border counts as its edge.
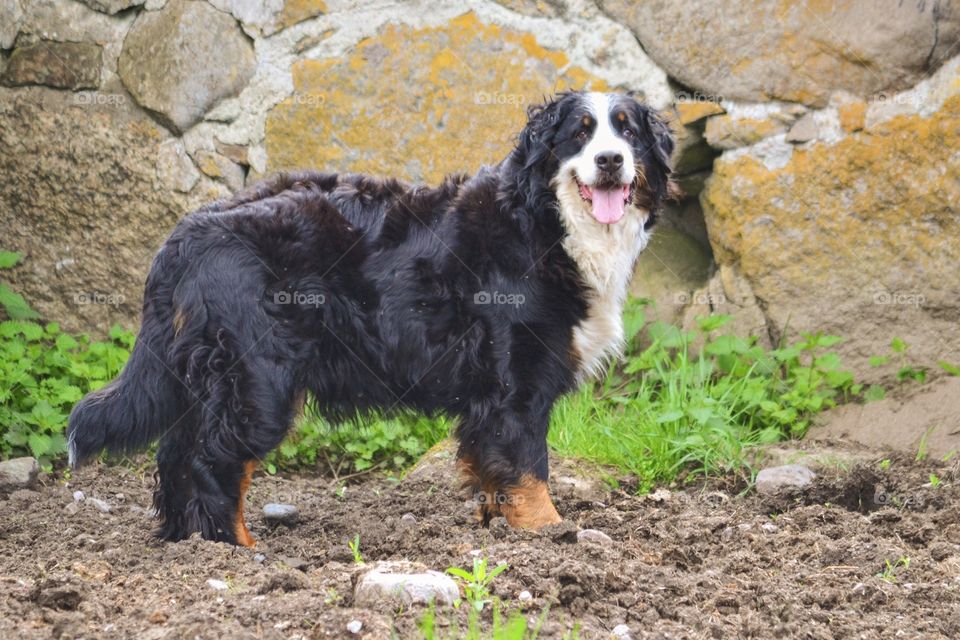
(247, 415)
(503, 459)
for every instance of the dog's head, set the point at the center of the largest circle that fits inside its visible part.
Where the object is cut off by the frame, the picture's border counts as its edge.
(599, 153)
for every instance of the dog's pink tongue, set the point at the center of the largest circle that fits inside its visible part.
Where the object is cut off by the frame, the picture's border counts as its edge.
(608, 206)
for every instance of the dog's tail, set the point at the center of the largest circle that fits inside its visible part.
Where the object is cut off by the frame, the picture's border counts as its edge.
(145, 400)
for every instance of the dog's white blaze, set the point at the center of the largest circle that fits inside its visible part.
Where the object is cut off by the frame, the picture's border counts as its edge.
(604, 139)
(604, 253)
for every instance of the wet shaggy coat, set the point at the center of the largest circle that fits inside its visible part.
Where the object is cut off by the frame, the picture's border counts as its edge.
(359, 294)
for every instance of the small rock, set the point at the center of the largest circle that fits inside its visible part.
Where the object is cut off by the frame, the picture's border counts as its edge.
(78, 496)
(804, 130)
(592, 535)
(389, 583)
(18, 473)
(525, 596)
(217, 585)
(275, 513)
(727, 534)
(259, 558)
(621, 632)
(793, 476)
(61, 65)
(100, 505)
(408, 520)
(769, 527)
(72, 509)
(354, 626)
(660, 495)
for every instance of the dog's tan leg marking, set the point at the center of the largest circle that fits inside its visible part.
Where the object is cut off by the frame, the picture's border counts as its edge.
(243, 534)
(528, 505)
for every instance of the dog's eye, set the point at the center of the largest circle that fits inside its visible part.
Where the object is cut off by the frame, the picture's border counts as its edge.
(582, 136)
(628, 133)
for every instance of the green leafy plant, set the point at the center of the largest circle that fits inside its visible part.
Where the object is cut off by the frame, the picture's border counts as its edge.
(43, 372)
(889, 573)
(907, 370)
(354, 545)
(476, 584)
(695, 402)
(934, 480)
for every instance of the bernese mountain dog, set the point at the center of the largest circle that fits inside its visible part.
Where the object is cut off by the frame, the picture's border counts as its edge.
(484, 298)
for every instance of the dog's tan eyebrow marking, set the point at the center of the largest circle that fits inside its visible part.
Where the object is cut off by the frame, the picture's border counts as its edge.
(587, 121)
(622, 117)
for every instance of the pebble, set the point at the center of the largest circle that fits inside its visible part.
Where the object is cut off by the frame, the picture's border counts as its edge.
(259, 558)
(217, 585)
(792, 476)
(79, 496)
(354, 626)
(592, 535)
(99, 505)
(276, 513)
(769, 527)
(18, 473)
(72, 508)
(525, 596)
(392, 582)
(408, 520)
(621, 632)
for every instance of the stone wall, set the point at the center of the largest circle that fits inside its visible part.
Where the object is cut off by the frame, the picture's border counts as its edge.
(815, 137)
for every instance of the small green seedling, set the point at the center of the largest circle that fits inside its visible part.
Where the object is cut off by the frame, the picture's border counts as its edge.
(934, 480)
(889, 573)
(476, 585)
(355, 549)
(885, 464)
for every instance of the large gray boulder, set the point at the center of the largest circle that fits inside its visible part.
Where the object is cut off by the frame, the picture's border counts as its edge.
(179, 61)
(18, 473)
(797, 51)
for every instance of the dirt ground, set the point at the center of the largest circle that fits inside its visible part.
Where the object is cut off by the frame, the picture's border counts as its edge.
(701, 562)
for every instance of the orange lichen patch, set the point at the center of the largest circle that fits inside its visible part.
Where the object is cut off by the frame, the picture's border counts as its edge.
(295, 11)
(853, 116)
(837, 218)
(690, 112)
(417, 103)
(528, 505)
(243, 534)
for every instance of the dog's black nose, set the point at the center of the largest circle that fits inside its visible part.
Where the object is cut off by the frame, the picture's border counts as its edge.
(609, 160)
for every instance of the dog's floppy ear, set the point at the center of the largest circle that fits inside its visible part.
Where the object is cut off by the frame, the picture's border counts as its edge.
(536, 139)
(661, 143)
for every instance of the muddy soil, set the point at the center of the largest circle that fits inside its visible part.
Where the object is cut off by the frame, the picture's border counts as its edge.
(701, 562)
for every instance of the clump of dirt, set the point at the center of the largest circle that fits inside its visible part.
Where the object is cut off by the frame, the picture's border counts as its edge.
(874, 552)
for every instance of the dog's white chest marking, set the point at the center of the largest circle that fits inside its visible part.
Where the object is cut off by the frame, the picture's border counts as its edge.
(605, 255)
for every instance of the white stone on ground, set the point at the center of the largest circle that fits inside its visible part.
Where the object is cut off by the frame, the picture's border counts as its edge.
(592, 535)
(793, 476)
(389, 583)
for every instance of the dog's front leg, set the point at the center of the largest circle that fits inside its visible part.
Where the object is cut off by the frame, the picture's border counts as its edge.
(503, 461)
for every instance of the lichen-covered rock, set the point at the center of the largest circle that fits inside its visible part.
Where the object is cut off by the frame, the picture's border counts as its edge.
(82, 199)
(669, 270)
(465, 84)
(266, 17)
(179, 61)
(858, 237)
(795, 51)
(62, 65)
